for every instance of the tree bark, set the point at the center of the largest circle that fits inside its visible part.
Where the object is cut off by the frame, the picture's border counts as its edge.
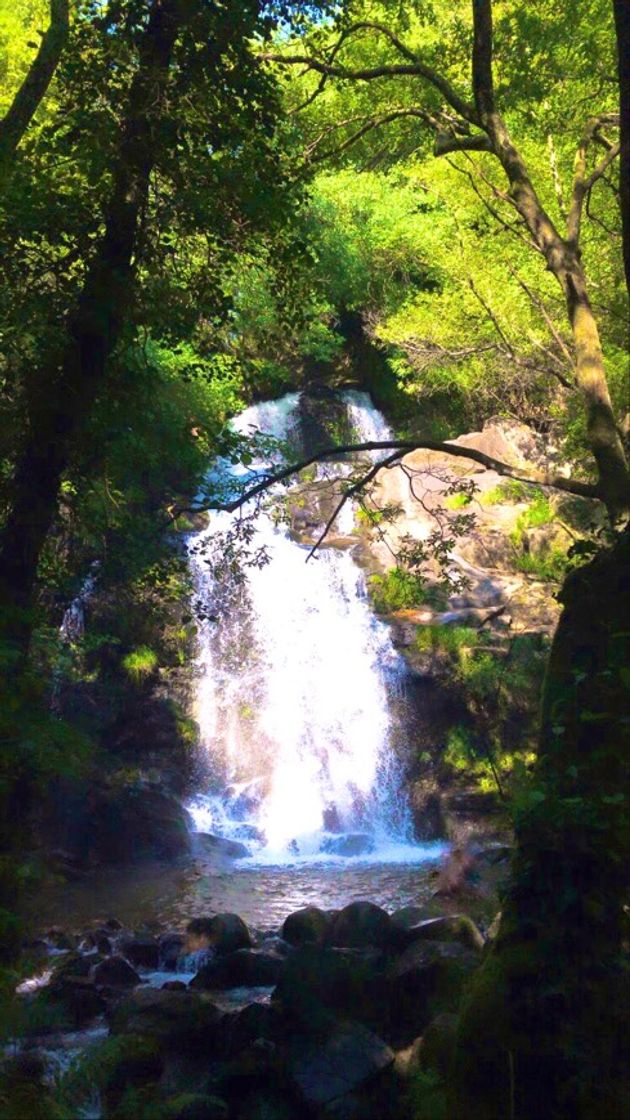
(622, 24)
(67, 389)
(542, 1031)
(33, 89)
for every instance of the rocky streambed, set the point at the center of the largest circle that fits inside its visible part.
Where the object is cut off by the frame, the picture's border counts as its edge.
(332, 1013)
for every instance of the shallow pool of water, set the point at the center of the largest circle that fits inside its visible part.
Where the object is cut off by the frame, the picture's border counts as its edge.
(169, 896)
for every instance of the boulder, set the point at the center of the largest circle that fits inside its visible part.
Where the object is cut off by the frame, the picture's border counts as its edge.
(74, 964)
(425, 980)
(174, 986)
(60, 939)
(141, 952)
(256, 1020)
(408, 916)
(438, 1045)
(245, 968)
(324, 1070)
(80, 999)
(352, 844)
(211, 845)
(178, 1022)
(225, 933)
(318, 984)
(360, 925)
(115, 972)
(194, 1106)
(449, 927)
(307, 926)
(171, 947)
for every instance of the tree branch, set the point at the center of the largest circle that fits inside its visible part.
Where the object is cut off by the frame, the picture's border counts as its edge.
(31, 93)
(413, 67)
(582, 183)
(367, 126)
(356, 487)
(482, 60)
(402, 447)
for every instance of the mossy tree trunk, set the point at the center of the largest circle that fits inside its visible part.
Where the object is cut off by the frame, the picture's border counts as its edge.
(542, 1030)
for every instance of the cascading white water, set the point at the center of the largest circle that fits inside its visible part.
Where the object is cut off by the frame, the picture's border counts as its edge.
(296, 690)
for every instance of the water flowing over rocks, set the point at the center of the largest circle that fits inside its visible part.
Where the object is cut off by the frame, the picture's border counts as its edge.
(326, 1016)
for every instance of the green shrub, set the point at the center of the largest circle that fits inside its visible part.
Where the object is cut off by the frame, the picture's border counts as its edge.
(140, 663)
(397, 590)
(457, 501)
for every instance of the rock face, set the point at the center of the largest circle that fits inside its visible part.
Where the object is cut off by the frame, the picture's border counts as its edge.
(122, 823)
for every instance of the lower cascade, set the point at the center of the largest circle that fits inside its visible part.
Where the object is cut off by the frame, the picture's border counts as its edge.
(301, 694)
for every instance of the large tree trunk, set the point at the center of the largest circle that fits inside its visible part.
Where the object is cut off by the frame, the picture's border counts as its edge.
(67, 389)
(542, 1032)
(31, 93)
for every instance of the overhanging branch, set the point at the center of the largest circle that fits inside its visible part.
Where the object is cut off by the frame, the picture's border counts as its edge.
(401, 447)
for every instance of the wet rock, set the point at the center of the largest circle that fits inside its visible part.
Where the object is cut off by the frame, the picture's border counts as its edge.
(179, 1022)
(171, 947)
(60, 939)
(438, 1044)
(225, 933)
(450, 927)
(104, 946)
(245, 968)
(80, 999)
(113, 925)
(318, 984)
(194, 1106)
(307, 926)
(408, 916)
(276, 946)
(141, 952)
(115, 972)
(324, 1070)
(74, 964)
(266, 1104)
(256, 1020)
(424, 981)
(219, 846)
(359, 925)
(131, 1063)
(353, 844)
(174, 986)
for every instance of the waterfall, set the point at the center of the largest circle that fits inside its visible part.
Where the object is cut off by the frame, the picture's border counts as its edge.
(299, 686)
